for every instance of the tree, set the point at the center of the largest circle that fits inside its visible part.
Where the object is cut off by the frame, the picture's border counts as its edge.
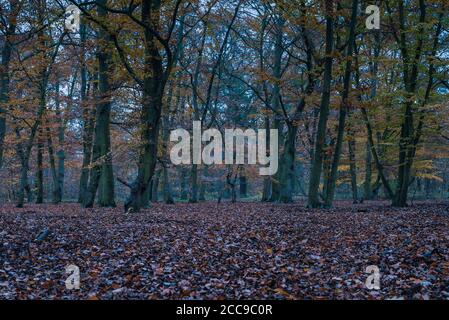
(317, 162)
(101, 154)
(8, 27)
(344, 108)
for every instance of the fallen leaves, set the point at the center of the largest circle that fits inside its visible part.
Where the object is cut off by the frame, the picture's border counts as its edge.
(229, 251)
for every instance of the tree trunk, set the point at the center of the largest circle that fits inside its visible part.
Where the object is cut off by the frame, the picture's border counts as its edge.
(61, 168)
(203, 185)
(153, 89)
(369, 130)
(329, 196)
(23, 184)
(39, 172)
(287, 177)
(317, 164)
(155, 186)
(288, 172)
(353, 167)
(4, 70)
(166, 189)
(410, 73)
(61, 139)
(266, 192)
(276, 105)
(243, 181)
(147, 196)
(202, 193)
(88, 118)
(184, 191)
(232, 184)
(194, 184)
(368, 190)
(102, 158)
(193, 198)
(166, 120)
(24, 151)
(168, 199)
(56, 191)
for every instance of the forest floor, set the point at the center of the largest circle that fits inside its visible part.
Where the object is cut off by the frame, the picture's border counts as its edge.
(226, 251)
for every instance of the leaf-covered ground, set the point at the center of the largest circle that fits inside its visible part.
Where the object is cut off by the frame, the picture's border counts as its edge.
(226, 251)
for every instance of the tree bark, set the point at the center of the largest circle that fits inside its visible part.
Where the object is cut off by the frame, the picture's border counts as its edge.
(243, 181)
(88, 117)
(317, 164)
(276, 105)
(39, 172)
(56, 190)
(410, 78)
(4, 70)
(102, 157)
(353, 166)
(329, 196)
(287, 176)
(266, 192)
(153, 89)
(194, 184)
(155, 186)
(184, 191)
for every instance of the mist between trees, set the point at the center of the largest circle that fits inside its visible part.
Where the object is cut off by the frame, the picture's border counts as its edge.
(86, 113)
